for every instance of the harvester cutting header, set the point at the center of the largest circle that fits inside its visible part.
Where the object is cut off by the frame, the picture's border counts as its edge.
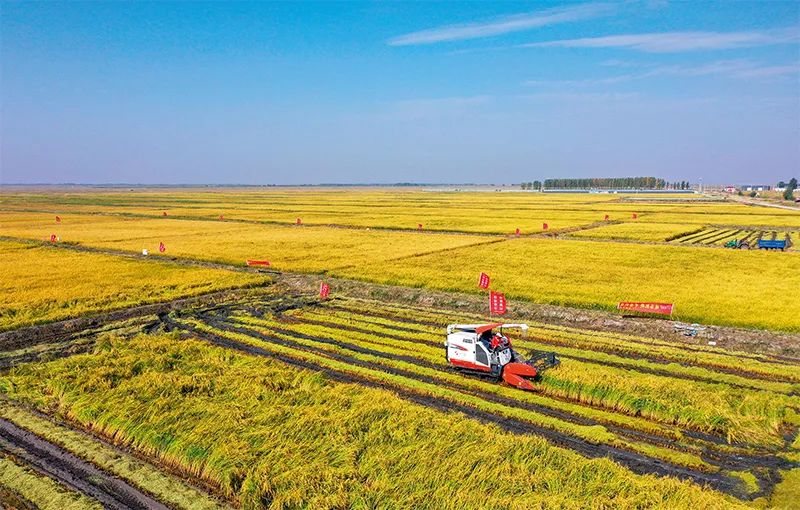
(477, 349)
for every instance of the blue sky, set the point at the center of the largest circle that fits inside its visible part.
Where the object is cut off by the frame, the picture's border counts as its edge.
(289, 93)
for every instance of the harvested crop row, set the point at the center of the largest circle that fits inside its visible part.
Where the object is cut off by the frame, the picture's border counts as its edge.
(653, 350)
(655, 397)
(167, 488)
(629, 426)
(435, 320)
(408, 377)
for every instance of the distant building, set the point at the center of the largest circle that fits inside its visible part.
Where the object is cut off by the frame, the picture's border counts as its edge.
(755, 187)
(729, 189)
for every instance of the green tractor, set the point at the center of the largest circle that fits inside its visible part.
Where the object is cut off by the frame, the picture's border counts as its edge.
(737, 244)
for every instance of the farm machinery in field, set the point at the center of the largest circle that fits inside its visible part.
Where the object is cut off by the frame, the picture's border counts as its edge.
(762, 244)
(478, 350)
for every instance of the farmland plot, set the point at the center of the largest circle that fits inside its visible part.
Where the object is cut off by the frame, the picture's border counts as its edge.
(241, 407)
(601, 274)
(39, 284)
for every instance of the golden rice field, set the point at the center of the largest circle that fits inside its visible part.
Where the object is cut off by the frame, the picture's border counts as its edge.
(554, 271)
(223, 409)
(257, 394)
(599, 275)
(43, 284)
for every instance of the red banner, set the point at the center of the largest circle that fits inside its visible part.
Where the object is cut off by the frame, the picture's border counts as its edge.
(58, 219)
(659, 308)
(161, 247)
(483, 281)
(324, 290)
(545, 226)
(497, 303)
(299, 222)
(53, 238)
(262, 263)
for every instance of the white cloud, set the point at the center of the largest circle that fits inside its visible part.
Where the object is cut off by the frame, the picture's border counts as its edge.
(667, 42)
(503, 25)
(730, 68)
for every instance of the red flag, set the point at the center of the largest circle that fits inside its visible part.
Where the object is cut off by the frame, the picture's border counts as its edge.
(161, 247)
(483, 281)
(299, 221)
(635, 306)
(164, 213)
(545, 226)
(634, 216)
(58, 219)
(324, 290)
(53, 238)
(221, 217)
(419, 226)
(606, 217)
(497, 303)
(516, 232)
(262, 263)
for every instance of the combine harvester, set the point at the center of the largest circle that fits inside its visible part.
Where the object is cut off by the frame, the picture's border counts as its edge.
(474, 349)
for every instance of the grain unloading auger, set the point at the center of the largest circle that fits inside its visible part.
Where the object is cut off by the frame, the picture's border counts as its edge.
(475, 348)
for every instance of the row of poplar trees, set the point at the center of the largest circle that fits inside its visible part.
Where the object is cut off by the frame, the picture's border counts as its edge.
(606, 183)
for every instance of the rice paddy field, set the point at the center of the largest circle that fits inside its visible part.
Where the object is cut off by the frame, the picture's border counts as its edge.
(186, 379)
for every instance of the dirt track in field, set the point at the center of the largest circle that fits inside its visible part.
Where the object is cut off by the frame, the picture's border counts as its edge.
(57, 463)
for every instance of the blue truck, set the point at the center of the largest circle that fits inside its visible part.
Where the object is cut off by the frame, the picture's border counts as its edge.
(774, 244)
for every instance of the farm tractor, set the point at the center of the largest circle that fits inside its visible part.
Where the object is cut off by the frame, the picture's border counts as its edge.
(738, 244)
(477, 350)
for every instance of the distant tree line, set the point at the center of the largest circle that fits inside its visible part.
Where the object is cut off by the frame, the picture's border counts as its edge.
(532, 185)
(606, 183)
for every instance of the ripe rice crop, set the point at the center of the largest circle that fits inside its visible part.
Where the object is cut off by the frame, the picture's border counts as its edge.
(635, 231)
(263, 433)
(601, 274)
(288, 248)
(39, 284)
(737, 414)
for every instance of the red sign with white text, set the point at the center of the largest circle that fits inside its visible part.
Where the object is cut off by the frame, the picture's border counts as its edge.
(262, 263)
(635, 306)
(497, 303)
(324, 290)
(483, 281)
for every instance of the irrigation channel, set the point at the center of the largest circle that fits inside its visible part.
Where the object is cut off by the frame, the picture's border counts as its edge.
(381, 348)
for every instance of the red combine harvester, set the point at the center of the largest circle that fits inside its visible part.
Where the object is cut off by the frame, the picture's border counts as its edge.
(476, 349)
